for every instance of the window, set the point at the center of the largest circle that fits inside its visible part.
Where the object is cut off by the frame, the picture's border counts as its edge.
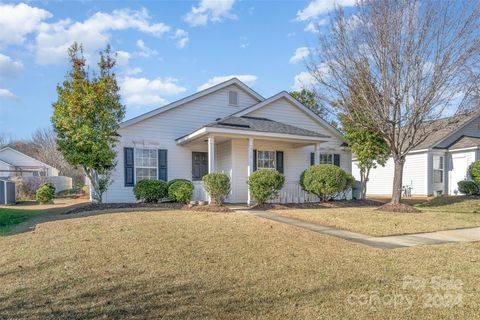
(146, 164)
(438, 167)
(326, 158)
(265, 159)
(233, 98)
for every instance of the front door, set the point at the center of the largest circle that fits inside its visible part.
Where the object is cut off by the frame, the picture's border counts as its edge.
(199, 165)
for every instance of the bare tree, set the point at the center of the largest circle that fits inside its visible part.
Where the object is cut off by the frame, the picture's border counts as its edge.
(421, 57)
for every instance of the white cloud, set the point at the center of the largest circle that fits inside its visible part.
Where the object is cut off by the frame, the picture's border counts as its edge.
(138, 92)
(181, 38)
(53, 40)
(319, 7)
(9, 67)
(300, 54)
(16, 21)
(144, 50)
(303, 80)
(313, 26)
(7, 94)
(247, 78)
(123, 58)
(210, 10)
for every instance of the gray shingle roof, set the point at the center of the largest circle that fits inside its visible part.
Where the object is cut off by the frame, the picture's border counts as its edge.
(465, 142)
(262, 125)
(443, 129)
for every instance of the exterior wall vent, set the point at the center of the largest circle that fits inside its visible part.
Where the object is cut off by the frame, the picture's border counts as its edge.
(233, 98)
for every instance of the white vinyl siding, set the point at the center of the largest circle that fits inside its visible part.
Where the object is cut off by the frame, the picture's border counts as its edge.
(160, 132)
(414, 175)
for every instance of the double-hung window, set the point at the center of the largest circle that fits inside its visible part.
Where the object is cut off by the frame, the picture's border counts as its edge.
(146, 164)
(438, 167)
(265, 159)
(326, 158)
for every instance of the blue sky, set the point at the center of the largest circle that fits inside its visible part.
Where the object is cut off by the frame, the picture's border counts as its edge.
(166, 49)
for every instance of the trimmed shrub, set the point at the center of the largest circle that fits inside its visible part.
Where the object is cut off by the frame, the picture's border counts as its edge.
(325, 180)
(45, 193)
(217, 185)
(175, 180)
(474, 171)
(265, 184)
(468, 188)
(181, 191)
(150, 190)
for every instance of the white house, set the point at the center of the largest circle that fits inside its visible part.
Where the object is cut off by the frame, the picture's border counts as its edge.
(15, 163)
(437, 164)
(227, 128)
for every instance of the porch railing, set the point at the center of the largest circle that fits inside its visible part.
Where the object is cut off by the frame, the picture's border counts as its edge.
(292, 192)
(199, 192)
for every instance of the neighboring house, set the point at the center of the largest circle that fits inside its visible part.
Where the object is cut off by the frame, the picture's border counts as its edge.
(437, 164)
(13, 163)
(227, 128)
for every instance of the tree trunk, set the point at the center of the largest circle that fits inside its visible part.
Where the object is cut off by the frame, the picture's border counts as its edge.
(397, 180)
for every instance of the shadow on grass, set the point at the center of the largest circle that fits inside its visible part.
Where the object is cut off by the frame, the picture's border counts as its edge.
(166, 298)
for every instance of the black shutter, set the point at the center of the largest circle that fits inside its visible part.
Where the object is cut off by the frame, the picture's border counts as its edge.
(279, 156)
(336, 160)
(162, 165)
(312, 158)
(129, 166)
(254, 160)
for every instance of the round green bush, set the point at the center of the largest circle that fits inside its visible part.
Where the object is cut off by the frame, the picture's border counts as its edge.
(265, 184)
(468, 188)
(150, 190)
(175, 180)
(475, 172)
(181, 191)
(325, 180)
(45, 193)
(217, 185)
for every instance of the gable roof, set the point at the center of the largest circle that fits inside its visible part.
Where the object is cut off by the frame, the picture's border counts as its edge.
(296, 103)
(262, 125)
(465, 142)
(197, 95)
(444, 128)
(24, 155)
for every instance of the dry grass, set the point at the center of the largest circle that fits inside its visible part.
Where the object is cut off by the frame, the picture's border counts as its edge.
(378, 223)
(187, 265)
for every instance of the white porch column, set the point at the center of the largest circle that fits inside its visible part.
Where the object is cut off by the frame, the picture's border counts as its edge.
(211, 154)
(250, 167)
(317, 153)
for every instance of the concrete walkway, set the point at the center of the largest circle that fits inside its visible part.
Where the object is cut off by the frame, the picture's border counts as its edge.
(387, 242)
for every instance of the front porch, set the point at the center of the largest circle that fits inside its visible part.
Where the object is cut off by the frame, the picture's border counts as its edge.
(239, 152)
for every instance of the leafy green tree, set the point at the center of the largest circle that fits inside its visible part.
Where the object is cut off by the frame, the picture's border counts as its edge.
(86, 117)
(309, 99)
(369, 147)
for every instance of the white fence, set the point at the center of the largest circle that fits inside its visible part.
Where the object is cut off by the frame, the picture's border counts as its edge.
(60, 182)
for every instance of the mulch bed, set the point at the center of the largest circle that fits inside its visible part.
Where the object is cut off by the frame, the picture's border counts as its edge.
(319, 205)
(110, 206)
(399, 208)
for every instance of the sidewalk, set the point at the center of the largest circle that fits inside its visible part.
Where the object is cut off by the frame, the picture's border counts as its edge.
(386, 242)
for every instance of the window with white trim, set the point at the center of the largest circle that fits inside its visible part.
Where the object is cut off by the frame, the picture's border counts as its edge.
(326, 158)
(438, 167)
(146, 164)
(265, 159)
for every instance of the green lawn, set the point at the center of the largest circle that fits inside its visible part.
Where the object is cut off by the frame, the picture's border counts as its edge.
(11, 217)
